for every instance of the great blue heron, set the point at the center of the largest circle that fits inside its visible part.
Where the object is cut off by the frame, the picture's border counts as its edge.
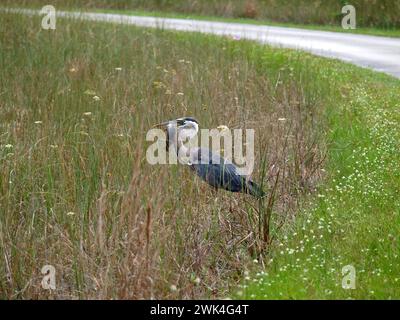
(212, 168)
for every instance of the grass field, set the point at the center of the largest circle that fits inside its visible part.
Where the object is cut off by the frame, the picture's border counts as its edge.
(77, 192)
(76, 189)
(355, 218)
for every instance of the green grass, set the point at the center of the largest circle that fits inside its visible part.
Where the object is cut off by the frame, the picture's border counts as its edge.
(355, 218)
(77, 192)
(76, 189)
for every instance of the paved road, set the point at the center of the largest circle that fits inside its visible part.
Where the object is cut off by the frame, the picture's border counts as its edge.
(378, 53)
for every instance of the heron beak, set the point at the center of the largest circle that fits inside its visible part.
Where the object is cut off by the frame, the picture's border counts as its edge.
(161, 125)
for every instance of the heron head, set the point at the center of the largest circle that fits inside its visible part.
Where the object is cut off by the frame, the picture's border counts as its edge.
(188, 123)
(186, 127)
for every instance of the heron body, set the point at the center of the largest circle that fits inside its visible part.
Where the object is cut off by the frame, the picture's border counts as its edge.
(209, 166)
(220, 173)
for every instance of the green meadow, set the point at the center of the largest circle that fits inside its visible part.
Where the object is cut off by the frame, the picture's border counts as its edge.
(77, 193)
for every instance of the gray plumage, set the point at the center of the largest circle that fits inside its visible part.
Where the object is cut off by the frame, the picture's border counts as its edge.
(211, 167)
(220, 173)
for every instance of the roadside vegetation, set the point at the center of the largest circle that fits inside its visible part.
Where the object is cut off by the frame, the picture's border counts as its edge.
(77, 192)
(76, 189)
(354, 219)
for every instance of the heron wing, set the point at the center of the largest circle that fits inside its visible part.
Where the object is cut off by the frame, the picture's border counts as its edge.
(216, 170)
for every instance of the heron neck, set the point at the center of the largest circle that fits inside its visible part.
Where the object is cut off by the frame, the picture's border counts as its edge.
(173, 140)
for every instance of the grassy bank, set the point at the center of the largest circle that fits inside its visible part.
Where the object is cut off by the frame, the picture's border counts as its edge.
(76, 191)
(355, 218)
(370, 13)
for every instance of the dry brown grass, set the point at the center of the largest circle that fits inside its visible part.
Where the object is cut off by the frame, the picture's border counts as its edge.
(134, 230)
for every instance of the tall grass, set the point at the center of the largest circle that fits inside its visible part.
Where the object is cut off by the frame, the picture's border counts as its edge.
(370, 13)
(76, 191)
